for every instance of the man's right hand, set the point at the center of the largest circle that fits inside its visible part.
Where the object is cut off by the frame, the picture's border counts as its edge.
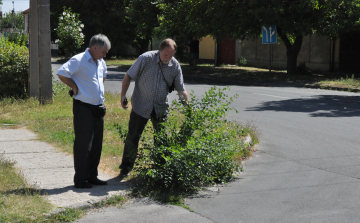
(124, 102)
(73, 91)
(124, 88)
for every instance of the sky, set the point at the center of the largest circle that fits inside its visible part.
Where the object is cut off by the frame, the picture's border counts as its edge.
(19, 5)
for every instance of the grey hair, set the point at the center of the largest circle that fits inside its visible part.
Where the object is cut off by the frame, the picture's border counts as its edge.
(100, 40)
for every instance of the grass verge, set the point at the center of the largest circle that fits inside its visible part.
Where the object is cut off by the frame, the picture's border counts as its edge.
(345, 83)
(21, 202)
(53, 124)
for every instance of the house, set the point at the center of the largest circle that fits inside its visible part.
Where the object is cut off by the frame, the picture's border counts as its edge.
(319, 53)
(26, 14)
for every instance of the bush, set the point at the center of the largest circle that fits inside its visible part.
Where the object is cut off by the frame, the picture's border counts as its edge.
(241, 62)
(197, 152)
(14, 69)
(19, 38)
(69, 32)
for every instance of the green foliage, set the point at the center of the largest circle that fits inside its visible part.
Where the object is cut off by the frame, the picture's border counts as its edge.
(68, 215)
(197, 151)
(339, 17)
(6, 21)
(116, 200)
(343, 82)
(241, 62)
(243, 19)
(110, 19)
(143, 17)
(69, 31)
(348, 79)
(19, 38)
(14, 69)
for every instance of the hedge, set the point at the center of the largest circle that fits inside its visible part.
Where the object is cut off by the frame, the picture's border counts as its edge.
(14, 69)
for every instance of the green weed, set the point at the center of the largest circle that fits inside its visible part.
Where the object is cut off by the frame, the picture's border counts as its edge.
(344, 82)
(197, 147)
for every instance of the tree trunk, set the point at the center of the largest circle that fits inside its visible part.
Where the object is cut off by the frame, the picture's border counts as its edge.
(144, 45)
(292, 51)
(291, 61)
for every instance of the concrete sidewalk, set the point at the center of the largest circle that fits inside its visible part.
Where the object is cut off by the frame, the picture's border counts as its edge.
(52, 171)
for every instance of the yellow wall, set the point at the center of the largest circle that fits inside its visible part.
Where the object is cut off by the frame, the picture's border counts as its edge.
(207, 48)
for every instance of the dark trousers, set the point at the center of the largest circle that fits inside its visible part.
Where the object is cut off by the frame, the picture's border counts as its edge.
(88, 140)
(137, 124)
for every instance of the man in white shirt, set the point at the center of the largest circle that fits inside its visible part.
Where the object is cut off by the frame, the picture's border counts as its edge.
(84, 74)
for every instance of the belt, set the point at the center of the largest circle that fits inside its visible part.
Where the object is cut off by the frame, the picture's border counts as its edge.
(84, 103)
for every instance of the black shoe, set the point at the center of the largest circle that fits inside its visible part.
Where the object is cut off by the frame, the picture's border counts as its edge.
(96, 181)
(124, 173)
(83, 185)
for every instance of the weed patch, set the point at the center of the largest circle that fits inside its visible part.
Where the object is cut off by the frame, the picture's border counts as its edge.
(197, 147)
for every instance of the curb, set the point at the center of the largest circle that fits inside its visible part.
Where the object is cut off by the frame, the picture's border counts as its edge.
(88, 205)
(318, 86)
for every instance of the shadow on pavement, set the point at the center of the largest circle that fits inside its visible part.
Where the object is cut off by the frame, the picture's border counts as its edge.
(317, 106)
(114, 184)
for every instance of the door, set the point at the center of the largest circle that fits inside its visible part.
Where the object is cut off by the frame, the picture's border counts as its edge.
(227, 51)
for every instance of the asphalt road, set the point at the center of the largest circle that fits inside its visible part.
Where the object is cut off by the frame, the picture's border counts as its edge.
(306, 167)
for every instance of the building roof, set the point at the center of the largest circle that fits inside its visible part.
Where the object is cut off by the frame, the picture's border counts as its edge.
(26, 11)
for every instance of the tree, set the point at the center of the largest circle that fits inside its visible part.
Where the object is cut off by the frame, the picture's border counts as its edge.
(106, 17)
(143, 16)
(240, 19)
(6, 21)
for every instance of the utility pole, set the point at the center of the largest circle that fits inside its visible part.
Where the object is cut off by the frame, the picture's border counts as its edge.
(13, 17)
(40, 78)
(0, 17)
